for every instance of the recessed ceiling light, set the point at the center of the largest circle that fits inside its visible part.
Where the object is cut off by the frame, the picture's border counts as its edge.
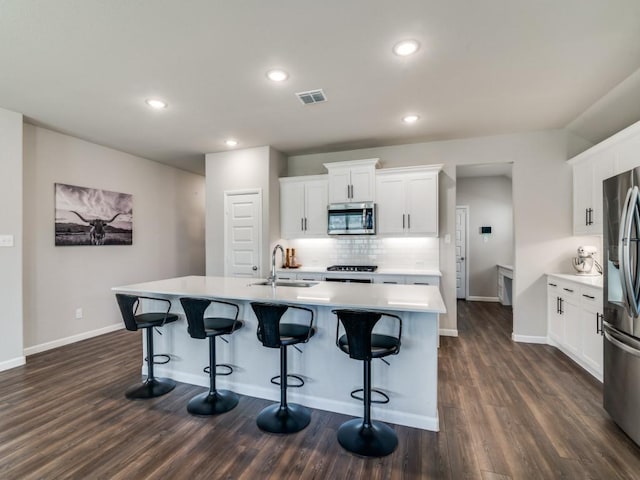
(157, 104)
(277, 75)
(406, 47)
(410, 118)
(231, 142)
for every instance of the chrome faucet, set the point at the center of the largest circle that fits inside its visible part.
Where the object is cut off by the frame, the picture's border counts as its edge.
(272, 278)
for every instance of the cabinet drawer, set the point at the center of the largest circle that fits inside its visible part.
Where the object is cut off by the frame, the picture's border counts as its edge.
(389, 279)
(423, 280)
(591, 296)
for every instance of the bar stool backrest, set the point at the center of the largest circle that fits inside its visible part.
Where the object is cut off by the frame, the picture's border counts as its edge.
(128, 304)
(194, 309)
(269, 315)
(358, 326)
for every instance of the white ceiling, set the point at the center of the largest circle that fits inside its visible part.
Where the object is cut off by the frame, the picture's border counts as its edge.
(85, 67)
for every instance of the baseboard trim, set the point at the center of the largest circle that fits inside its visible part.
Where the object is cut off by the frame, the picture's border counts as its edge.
(528, 339)
(43, 347)
(449, 332)
(353, 409)
(13, 363)
(473, 298)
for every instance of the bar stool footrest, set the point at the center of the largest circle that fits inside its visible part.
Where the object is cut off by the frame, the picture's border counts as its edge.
(229, 370)
(385, 397)
(276, 381)
(166, 359)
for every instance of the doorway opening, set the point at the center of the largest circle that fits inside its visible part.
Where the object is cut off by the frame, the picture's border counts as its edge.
(484, 232)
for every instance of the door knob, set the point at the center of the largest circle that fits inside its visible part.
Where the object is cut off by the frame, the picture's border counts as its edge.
(254, 268)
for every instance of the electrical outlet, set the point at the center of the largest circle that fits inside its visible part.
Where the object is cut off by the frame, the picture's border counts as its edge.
(6, 240)
(78, 313)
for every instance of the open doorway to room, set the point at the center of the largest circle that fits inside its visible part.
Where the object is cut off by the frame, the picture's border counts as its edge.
(485, 237)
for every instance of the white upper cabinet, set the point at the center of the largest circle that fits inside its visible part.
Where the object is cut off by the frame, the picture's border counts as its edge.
(407, 201)
(617, 154)
(352, 181)
(303, 206)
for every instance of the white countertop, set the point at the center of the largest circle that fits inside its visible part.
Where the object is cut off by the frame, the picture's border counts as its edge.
(379, 271)
(408, 298)
(592, 281)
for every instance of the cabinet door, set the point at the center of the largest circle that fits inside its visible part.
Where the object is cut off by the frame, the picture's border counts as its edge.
(592, 342)
(291, 209)
(391, 215)
(339, 185)
(603, 168)
(554, 319)
(422, 204)
(573, 327)
(582, 196)
(315, 199)
(363, 184)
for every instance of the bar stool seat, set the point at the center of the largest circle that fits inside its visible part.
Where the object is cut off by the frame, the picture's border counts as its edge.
(128, 304)
(282, 417)
(214, 401)
(363, 436)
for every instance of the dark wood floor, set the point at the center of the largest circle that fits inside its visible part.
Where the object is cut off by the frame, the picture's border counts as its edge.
(506, 411)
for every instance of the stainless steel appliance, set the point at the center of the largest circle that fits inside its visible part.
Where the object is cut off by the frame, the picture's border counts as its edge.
(352, 219)
(621, 244)
(350, 268)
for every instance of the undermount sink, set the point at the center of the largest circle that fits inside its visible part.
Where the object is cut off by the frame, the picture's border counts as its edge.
(287, 283)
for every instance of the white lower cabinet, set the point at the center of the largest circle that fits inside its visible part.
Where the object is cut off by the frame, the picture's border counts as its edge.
(574, 320)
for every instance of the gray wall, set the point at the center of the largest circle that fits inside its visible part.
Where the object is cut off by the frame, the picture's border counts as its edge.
(542, 185)
(490, 204)
(168, 235)
(251, 168)
(11, 289)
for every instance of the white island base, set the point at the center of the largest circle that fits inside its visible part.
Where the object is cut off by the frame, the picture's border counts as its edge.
(330, 375)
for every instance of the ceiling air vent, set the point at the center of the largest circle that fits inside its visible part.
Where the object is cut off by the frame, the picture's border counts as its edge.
(312, 96)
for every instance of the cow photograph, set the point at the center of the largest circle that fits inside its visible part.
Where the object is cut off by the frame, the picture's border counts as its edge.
(89, 216)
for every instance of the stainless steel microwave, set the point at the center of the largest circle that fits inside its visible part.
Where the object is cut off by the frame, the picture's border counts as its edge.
(352, 219)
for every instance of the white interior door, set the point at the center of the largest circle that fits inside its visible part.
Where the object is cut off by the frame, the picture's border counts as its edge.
(461, 251)
(242, 233)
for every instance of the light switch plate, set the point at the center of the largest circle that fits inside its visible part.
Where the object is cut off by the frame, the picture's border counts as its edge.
(6, 240)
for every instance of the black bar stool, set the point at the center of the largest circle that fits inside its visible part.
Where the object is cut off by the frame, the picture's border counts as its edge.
(283, 417)
(214, 401)
(364, 436)
(152, 386)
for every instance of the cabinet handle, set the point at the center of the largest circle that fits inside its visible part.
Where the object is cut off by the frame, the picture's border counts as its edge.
(586, 216)
(392, 283)
(560, 301)
(305, 224)
(409, 221)
(403, 221)
(421, 283)
(557, 304)
(568, 290)
(553, 284)
(590, 216)
(588, 296)
(599, 318)
(302, 224)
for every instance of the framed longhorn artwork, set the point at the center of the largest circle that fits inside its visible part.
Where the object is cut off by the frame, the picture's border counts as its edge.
(89, 216)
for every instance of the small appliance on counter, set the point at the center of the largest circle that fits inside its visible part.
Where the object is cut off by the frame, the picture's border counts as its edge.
(585, 263)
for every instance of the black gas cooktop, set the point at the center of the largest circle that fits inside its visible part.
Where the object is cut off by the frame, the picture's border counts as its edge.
(352, 268)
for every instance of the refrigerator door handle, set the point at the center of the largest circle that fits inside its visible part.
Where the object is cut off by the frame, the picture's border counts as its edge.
(621, 345)
(623, 248)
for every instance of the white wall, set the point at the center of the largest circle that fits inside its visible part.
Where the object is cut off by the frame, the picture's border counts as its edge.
(541, 199)
(11, 289)
(249, 168)
(490, 204)
(168, 235)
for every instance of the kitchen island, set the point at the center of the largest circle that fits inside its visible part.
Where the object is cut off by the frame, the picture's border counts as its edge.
(410, 380)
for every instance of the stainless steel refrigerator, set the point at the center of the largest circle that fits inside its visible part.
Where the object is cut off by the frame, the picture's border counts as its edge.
(621, 326)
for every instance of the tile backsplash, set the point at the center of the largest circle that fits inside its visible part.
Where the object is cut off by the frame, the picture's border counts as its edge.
(407, 252)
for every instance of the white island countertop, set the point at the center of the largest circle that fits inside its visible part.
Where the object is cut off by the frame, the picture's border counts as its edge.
(409, 298)
(589, 280)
